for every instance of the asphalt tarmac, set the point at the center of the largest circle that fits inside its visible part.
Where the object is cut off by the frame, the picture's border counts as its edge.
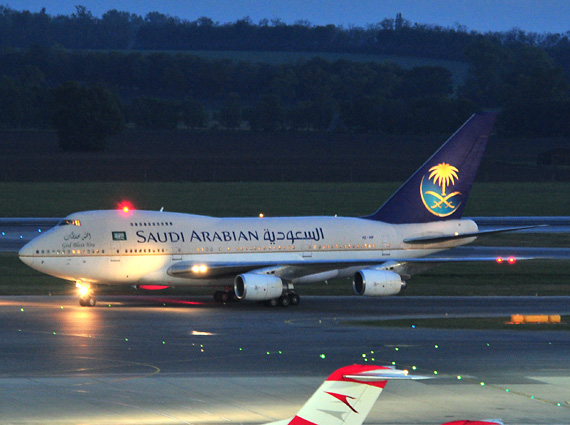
(170, 360)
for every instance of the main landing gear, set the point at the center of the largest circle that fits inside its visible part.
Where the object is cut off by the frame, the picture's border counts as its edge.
(86, 296)
(289, 298)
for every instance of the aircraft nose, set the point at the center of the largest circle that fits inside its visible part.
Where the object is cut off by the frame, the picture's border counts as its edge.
(27, 253)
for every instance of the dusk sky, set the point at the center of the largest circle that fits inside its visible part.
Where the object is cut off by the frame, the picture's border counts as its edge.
(480, 15)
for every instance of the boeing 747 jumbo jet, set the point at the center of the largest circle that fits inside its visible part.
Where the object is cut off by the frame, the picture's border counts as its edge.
(348, 395)
(261, 259)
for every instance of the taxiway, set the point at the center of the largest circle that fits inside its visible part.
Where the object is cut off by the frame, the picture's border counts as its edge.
(162, 360)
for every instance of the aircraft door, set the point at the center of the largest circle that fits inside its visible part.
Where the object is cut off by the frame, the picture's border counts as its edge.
(307, 250)
(176, 251)
(385, 247)
(115, 254)
(115, 251)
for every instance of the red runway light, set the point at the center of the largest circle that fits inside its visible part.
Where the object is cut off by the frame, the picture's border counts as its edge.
(499, 260)
(512, 260)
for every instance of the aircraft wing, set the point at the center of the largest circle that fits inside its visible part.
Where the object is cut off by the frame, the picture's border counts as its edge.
(406, 267)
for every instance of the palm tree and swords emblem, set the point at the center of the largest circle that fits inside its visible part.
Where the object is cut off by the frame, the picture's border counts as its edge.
(433, 193)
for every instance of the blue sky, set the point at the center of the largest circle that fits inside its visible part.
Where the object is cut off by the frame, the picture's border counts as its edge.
(481, 15)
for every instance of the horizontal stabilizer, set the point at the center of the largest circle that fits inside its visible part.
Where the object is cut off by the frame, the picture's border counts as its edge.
(445, 238)
(384, 375)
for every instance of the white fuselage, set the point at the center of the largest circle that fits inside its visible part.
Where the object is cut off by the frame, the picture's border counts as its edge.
(139, 247)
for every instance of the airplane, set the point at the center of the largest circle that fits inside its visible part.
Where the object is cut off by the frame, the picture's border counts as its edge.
(262, 258)
(348, 395)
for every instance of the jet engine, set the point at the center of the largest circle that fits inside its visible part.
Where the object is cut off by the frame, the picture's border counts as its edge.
(257, 287)
(377, 283)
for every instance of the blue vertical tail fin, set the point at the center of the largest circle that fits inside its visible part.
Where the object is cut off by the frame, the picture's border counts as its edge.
(438, 190)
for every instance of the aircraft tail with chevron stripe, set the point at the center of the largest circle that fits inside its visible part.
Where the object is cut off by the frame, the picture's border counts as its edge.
(348, 395)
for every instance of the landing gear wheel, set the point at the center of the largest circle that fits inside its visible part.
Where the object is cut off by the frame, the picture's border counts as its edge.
(284, 301)
(272, 302)
(87, 301)
(294, 298)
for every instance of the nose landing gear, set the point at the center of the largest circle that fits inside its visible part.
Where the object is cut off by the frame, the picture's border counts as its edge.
(86, 297)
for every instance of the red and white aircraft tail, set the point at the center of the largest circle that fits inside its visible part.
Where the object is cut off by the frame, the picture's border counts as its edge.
(347, 396)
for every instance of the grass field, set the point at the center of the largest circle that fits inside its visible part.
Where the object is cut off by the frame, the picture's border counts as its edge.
(273, 199)
(277, 199)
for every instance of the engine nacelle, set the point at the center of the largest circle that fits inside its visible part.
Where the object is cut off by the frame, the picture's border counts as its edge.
(257, 287)
(377, 283)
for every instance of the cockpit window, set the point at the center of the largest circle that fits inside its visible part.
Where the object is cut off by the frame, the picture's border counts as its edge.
(69, 223)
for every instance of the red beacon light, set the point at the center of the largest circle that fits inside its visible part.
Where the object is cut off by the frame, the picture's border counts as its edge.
(125, 207)
(499, 260)
(512, 260)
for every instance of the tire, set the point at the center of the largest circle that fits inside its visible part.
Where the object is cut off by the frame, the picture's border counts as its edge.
(272, 302)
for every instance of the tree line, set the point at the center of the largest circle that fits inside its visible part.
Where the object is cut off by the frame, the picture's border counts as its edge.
(121, 30)
(46, 81)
